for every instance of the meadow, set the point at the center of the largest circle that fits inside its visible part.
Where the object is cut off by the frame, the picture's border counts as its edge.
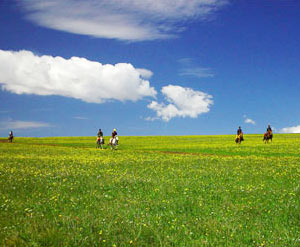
(152, 191)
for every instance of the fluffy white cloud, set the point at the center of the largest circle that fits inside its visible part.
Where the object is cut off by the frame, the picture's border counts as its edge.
(23, 72)
(182, 102)
(249, 121)
(294, 129)
(120, 19)
(145, 73)
(22, 125)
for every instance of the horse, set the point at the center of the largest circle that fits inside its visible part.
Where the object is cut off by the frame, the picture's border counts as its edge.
(100, 142)
(267, 137)
(239, 138)
(113, 142)
(10, 138)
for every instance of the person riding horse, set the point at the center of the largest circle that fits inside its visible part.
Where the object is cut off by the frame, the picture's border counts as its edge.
(100, 133)
(114, 139)
(10, 136)
(239, 135)
(268, 135)
(269, 130)
(114, 133)
(100, 139)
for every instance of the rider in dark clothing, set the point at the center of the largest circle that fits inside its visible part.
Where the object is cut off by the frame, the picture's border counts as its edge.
(100, 133)
(10, 136)
(114, 133)
(100, 139)
(239, 131)
(269, 132)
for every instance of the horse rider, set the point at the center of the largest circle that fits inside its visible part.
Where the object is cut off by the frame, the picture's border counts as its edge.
(10, 136)
(240, 134)
(100, 139)
(239, 131)
(114, 135)
(100, 133)
(269, 131)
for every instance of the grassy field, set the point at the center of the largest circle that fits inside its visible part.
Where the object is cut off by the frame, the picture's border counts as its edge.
(152, 191)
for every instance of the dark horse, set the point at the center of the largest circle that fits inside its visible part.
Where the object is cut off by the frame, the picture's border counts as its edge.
(10, 137)
(267, 137)
(239, 138)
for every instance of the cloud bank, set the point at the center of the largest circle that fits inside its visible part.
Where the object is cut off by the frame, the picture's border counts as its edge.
(23, 72)
(132, 20)
(292, 130)
(182, 102)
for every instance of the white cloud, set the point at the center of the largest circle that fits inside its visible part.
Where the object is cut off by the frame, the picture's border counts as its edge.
(189, 69)
(249, 121)
(197, 72)
(23, 72)
(182, 102)
(80, 118)
(132, 20)
(145, 73)
(151, 119)
(22, 125)
(294, 129)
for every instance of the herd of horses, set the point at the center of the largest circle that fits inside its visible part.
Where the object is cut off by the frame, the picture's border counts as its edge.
(268, 136)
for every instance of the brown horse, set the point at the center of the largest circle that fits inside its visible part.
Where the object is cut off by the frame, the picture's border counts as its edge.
(239, 138)
(268, 136)
(10, 137)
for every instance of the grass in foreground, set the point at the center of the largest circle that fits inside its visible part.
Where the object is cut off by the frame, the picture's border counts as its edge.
(153, 191)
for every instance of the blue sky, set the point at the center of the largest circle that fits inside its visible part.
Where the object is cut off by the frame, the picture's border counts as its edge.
(68, 68)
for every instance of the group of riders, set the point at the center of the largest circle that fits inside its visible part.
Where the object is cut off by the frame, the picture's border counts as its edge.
(113, 141)
(268, 135)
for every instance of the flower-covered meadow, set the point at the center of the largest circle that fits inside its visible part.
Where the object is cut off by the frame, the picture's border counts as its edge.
(151, 191)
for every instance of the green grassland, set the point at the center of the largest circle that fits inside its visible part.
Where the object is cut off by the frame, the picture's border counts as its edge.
(152, 191)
